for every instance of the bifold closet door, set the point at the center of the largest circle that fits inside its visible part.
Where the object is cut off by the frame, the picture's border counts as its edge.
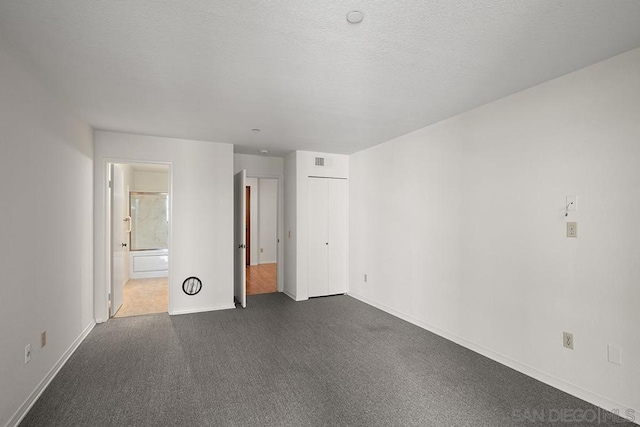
(337, 232)
(327, 236)
(318, 277)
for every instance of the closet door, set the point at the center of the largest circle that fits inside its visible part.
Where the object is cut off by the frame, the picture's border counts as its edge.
(337, 232)
(318, 237)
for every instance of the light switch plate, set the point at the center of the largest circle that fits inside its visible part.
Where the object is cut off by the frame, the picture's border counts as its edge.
(572, 203)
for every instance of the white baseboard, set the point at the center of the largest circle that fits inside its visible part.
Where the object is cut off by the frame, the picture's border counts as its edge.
(203, 309)
(595, 399)
(33, 397)
(289, 294)
(294, 296)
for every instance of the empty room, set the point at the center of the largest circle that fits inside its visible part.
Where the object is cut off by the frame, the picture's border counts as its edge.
(309, 213)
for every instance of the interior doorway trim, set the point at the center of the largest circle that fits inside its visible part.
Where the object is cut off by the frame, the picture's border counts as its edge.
(102, 235)
(279, 227)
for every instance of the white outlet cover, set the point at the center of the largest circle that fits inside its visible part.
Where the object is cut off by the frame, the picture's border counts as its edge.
(614, 354)
(567, 340)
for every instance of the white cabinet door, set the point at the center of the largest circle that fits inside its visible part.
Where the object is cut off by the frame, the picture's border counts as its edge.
(337, 227)
(318, 237)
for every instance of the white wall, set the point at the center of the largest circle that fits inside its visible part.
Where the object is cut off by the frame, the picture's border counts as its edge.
(254, 221)
(258, 165)
(460, 227)
(299, 166)
(201, 236)
(150, 181)
(46, 230)
(268, 218)
(290, 226)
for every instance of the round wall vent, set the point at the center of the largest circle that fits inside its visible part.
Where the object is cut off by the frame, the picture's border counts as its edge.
(192, 285)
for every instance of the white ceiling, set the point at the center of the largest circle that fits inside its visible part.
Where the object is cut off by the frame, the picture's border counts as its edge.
(215, 69)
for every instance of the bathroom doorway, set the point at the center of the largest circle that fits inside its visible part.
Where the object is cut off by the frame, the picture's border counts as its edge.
(262, 235)
(139, 228)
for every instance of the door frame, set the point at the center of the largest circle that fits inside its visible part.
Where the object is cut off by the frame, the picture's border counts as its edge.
(247, 223)
(113, 247)
(279, 226)
(101, 295)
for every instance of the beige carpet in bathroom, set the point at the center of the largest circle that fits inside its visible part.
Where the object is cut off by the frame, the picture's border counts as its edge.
(145, 296)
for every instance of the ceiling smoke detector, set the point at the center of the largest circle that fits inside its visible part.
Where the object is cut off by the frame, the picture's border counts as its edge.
(355, 17)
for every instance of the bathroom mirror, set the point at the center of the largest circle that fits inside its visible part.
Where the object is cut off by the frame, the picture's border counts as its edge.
(149, 220)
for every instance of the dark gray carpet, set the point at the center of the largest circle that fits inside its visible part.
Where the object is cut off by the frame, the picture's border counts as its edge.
(326, 361)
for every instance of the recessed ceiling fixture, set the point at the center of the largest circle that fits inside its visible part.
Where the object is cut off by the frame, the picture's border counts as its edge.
(264, 151)
(355, 17)
(256, 130)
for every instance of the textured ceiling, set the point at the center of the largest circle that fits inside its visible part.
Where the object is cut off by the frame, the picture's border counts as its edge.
(215, 69)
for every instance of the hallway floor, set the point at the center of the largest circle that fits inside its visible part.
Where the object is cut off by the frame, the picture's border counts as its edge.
(262, 279)
(145, 296)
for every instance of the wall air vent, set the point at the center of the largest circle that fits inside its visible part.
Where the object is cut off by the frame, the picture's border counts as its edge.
(319, 161)
(191, 285)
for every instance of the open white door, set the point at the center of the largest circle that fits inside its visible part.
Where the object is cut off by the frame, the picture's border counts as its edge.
(239, 233)
(119, 238)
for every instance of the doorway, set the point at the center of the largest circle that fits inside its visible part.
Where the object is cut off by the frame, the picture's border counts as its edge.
(258, 218)
(139, 223)
(262, 271)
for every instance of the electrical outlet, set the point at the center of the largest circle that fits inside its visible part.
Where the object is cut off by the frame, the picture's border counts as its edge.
(567, 340)
(27, 354)
(365, 277)
(43, 339)
(572, 229)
